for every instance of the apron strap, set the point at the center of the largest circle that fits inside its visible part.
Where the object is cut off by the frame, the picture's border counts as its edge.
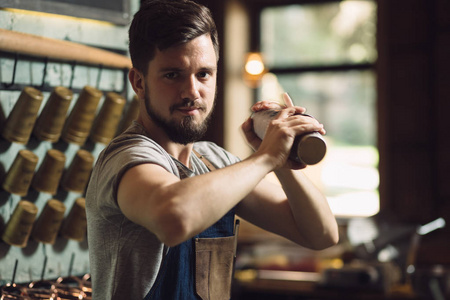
(208, 164)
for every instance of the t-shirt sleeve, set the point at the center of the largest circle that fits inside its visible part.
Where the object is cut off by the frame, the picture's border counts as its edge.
(124, 154)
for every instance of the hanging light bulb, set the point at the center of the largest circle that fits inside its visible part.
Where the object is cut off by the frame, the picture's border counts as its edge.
(254, 69)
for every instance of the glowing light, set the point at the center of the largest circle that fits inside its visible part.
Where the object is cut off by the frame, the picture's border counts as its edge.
(254, 64)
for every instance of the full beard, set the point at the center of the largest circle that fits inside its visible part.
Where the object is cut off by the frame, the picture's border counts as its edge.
(182, 132)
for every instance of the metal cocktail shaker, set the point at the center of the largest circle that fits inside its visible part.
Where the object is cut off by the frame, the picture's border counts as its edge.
(308, 149)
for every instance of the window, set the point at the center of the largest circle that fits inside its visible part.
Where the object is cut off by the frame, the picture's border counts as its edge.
(323, 56)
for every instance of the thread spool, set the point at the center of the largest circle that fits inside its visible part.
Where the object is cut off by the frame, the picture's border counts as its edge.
(20, 122)
(107, 121)
(20, 174)
(50, 123)
(308, 149)
(49, 173)
(49, 222)
(79, 123)
(19, 226)
(79, 171)
(131, 114)
(74, 225)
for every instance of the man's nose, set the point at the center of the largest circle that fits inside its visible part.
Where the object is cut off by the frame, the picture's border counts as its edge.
(190, 89)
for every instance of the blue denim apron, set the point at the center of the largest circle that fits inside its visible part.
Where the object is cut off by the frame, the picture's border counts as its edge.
(176, 278)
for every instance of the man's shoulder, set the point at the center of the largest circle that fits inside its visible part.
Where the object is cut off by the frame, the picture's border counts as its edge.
(209, 148)
(134, 147)
(133, 140)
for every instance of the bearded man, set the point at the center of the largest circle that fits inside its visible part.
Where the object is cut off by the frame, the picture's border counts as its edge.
(161, 204)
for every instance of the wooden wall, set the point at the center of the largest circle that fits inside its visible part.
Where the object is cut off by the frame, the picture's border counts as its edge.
(413, 72)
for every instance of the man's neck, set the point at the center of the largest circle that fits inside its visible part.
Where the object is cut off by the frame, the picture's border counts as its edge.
(178, 151)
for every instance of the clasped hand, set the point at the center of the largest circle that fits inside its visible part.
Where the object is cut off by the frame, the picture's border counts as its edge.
(281, 132)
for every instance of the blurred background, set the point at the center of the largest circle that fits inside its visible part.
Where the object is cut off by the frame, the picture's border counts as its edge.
(374, 72)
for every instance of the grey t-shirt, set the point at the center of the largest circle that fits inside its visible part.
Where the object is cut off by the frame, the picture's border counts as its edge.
(125, 257)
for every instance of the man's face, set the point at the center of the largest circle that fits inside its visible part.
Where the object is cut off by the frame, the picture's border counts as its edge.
(180, 89)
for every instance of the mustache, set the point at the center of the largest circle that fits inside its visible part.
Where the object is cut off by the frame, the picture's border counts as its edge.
(189, 104)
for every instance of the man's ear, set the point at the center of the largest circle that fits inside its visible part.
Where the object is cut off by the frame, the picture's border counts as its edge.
(136, 79)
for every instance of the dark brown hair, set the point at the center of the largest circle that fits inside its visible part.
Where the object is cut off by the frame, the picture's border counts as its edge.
(160, 24)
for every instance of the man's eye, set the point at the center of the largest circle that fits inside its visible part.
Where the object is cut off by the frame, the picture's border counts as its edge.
(203, 74)
(171, 75)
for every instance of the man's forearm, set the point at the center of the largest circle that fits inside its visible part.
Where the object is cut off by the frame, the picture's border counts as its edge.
(310, 209)
(203, 199)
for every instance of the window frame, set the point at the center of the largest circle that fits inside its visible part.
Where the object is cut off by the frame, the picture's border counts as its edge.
(255, 9)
